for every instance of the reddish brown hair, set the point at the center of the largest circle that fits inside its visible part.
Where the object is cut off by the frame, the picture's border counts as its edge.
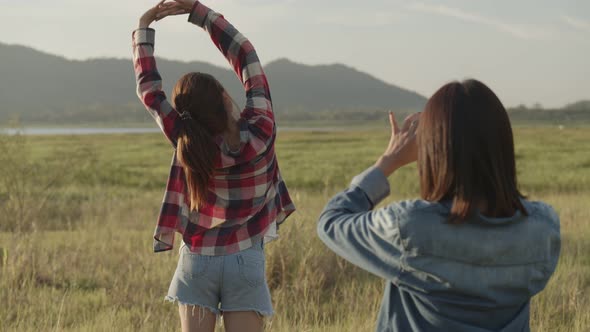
(201, 95)
(466, 152)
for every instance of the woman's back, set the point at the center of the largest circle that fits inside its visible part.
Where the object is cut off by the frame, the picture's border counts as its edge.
(222, 197)
(476, 276)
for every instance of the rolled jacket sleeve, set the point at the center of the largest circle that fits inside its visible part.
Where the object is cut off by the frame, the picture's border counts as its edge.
(144, 36)
(374, 183)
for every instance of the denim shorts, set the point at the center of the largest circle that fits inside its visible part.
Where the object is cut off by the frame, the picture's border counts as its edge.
(235, 282)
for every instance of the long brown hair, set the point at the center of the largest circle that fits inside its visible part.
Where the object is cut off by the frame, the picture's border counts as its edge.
(201, 97)
(466, 152)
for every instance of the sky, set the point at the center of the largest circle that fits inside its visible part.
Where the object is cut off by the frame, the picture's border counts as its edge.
(527, 51)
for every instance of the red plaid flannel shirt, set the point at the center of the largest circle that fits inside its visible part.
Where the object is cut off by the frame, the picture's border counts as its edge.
(247, 197)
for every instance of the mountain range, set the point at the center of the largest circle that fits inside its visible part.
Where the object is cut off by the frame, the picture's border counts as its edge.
(44, 88)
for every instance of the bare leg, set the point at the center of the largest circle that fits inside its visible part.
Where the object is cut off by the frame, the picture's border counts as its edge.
(196, 319)
(243, 321)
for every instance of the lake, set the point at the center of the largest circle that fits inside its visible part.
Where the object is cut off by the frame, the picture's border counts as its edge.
(106, 130)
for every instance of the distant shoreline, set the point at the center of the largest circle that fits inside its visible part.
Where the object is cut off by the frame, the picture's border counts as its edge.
(48, 131)
(323, 126)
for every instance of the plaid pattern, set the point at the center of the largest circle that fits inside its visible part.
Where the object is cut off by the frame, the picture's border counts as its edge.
(247, 197)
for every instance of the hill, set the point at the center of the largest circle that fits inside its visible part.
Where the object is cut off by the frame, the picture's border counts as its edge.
(44, 88)
(575, 113)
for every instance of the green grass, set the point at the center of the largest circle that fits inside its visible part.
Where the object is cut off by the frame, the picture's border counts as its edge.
(89, 266)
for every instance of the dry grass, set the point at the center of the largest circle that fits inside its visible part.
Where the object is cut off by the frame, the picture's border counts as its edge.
(96, 271)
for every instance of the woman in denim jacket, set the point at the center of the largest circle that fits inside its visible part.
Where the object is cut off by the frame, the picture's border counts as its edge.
(468, 255)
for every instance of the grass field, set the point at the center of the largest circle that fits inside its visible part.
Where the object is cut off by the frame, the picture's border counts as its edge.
(76, 240)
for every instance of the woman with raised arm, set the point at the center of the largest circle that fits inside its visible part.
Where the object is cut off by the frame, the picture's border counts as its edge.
(225, 194)
(472, 252)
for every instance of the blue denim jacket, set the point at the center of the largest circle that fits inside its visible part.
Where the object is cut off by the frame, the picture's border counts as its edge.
(477, 276)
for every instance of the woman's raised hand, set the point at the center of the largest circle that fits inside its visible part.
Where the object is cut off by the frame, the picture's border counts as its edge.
(186, 4)
(150, 15)
(164, 9)
(402, 149)
(176, 7)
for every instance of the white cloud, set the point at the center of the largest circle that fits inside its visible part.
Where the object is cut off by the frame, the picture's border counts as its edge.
(358, 18)
(521, 31)
(576, 22)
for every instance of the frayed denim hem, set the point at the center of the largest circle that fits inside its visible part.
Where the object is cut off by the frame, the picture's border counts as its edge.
(215, 311)
(259, 312)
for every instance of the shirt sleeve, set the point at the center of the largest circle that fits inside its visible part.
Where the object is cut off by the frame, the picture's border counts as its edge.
(149, 84)
(366, 238)
(241, 55)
